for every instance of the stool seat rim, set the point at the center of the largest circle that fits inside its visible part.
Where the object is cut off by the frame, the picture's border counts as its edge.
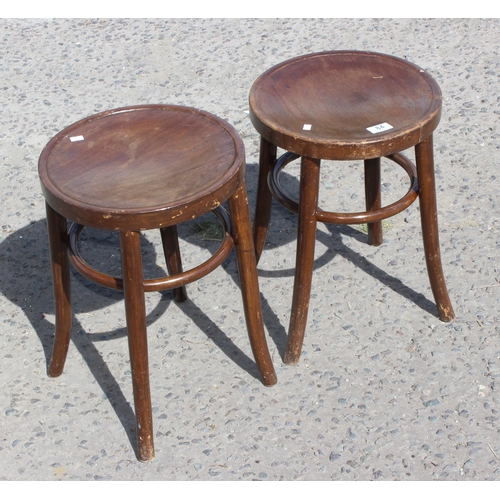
(339, 95)
(212, 181)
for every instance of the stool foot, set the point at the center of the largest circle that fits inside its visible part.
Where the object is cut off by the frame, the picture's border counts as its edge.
(170, 241)
(306, 239)
(428, 214)
(247, 267)
(58, 237)
(292, 358)
(267, 157)
(135, 309)
(373, 199)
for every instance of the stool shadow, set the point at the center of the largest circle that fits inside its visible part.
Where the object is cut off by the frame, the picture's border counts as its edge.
(211, 329)
(333, 241)
(25, 279)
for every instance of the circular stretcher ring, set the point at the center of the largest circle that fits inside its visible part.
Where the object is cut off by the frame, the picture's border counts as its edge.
(347, 218)
(155, 284)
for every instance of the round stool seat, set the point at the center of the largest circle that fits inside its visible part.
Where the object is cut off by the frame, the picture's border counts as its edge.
(345, 105)
(137, 167)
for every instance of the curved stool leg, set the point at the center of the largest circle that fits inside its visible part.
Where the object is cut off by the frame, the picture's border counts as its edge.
(58, 235)
(247, 267)
(135, 309)
(170, 242)
(428, 214)
(306, 239)
(267, 157)
(373, 199)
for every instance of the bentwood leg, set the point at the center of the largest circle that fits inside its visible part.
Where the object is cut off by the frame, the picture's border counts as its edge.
(428, 214)
(62, 289)
(247, 267)
(306, 238)
(170, 242)
(267, 157)
(135, 309)
(373, 199)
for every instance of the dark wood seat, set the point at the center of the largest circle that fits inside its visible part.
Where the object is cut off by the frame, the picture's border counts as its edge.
(346, 105)
(138, 168)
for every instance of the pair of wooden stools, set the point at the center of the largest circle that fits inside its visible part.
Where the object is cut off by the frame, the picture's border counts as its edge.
(156, 166)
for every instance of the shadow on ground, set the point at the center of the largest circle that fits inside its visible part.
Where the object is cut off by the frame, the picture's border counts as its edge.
(26, 281)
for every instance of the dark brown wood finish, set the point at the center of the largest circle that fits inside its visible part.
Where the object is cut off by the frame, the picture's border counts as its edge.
(321, 106)
(57, 228)
(306, 237)
(429, 220)
(264, 199)
(115, 178)
(247, 267)
(147, 167)
(340, 94)
(135, 310)
(170, 242)
(373, 198)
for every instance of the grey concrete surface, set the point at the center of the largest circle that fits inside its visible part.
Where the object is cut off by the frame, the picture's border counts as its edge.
(384, 390)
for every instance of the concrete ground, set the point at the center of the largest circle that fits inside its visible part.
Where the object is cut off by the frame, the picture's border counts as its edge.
(383, 391)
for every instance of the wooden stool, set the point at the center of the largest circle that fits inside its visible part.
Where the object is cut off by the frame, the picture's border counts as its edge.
(139, 168)
(345, 105)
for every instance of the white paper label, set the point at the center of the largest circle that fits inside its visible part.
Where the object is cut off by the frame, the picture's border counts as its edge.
(76, 138)
(306, 126)
(381, 127)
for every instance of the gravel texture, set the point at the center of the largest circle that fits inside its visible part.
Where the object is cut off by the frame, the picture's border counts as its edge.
(383, 391)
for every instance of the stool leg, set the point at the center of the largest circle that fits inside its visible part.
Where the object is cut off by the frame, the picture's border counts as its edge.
(58, 235)
(247, 267)
(306, 239)
(135, 309)
(170, 242)
(428, 214)
(263, 204)
(373, 199)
